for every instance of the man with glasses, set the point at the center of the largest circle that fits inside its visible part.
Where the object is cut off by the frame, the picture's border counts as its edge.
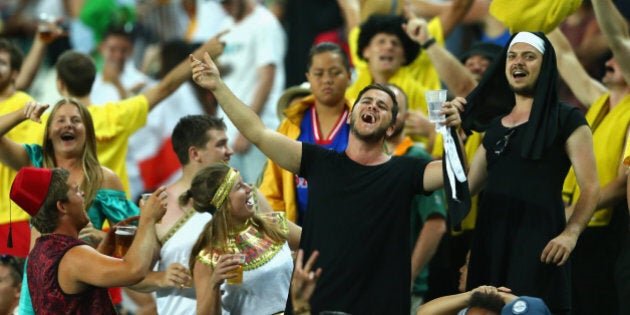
(10, 282)
(522, 240)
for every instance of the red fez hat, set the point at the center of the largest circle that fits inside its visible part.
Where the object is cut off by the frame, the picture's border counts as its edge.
(30, 188)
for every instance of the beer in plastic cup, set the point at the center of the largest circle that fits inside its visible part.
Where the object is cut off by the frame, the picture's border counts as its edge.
(238, 271)
(124, 238)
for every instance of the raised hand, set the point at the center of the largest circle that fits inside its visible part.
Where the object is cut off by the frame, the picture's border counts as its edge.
(205, 73)
(451, 110)
(215, 45)
(304, 279)
(155, 206)
(416, 28)
(34, 110)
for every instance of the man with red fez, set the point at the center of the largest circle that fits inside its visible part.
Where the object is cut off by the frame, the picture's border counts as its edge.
(63, 272)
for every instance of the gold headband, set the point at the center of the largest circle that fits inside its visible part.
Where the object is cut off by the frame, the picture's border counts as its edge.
(224, 189)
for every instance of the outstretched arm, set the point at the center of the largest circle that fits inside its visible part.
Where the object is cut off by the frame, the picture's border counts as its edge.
(284, 151)
(35, 55)
(615, 29)
(585, 88)
(454, 15)
(178, 75)
(458, 79)
(579, 147)
(13, 154)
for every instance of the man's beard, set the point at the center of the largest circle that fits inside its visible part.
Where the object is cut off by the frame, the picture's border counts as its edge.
(527, 90)
(376, 136)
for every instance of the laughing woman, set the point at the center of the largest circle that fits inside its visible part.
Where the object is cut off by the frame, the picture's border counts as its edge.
(242, 223)
(69, 143)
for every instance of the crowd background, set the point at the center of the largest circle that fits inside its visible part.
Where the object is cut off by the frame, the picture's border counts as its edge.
(136, 43)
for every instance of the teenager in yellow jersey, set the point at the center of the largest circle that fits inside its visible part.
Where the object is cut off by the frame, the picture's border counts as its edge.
(30, 132)
(608, 115)
(382, 53)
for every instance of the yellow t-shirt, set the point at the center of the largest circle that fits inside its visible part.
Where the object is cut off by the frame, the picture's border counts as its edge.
(626, 154)
(114, 123)
(26, 132)
(609, 132)
(532, 15)
(421, 69)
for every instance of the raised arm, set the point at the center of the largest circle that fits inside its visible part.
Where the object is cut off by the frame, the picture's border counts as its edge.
(178, 75)
(585, 88)
(615, 29)
(458, 79)
(579, 147)
(35, 55)
(14, 154)
(350, 9)
(284, 151)
(452, 17)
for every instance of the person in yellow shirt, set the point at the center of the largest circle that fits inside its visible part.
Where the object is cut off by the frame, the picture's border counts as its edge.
(382, 53)
(11, 99)
(608, 115)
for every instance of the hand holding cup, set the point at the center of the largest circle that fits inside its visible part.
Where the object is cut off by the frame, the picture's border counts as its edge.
(154, 207)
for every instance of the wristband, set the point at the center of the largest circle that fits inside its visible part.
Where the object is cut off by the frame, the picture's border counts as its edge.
(428, 43)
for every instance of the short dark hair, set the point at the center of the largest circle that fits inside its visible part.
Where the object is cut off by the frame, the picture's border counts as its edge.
(487, 50)
(172, 53)
(191, 131)
(47, 218)
(16, 267)
(490, 301)
(388, 24)
(327, 47)
(14, 53)
(77, 71)
(384, 89)
(118, 30)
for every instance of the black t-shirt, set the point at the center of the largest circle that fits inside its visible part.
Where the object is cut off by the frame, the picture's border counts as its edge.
(358, 219)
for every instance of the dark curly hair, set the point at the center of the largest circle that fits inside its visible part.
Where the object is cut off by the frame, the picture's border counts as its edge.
(388, 24)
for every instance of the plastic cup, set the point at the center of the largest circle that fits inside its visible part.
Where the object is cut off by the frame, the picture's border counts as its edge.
(144, 198)
(435, 98)
(238, 271)
(45, 26)
(124, 238)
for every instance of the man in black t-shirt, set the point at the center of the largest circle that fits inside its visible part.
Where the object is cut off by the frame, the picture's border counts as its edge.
(359, 199)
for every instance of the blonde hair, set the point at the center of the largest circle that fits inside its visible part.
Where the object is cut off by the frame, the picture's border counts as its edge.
(92, 172)
(219, 229)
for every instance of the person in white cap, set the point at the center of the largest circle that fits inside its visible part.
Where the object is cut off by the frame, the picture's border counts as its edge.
(522, 239)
